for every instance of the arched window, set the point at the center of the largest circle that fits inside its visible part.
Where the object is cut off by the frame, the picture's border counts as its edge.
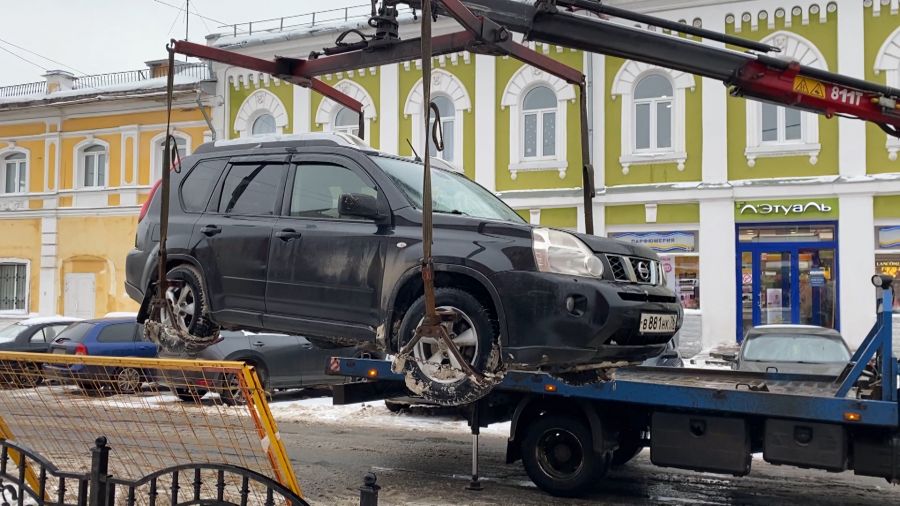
(346, 121)
(539, 123)
(263, 124)
(448, 119)
(774, 130)
(653, 115)
(158, 159)
(93, 166)
(14, 173)
(653, 101)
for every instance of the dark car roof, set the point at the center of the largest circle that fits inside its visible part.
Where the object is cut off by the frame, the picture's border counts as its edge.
(804, 330)
(287, 142)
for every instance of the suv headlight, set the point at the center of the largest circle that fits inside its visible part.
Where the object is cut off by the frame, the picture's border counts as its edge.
(563, 253)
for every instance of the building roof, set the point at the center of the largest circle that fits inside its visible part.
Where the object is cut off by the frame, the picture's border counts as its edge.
(131, 83)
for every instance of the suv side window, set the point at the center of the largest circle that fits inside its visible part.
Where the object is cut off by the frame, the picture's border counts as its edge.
(117, 333)
(198, 184)
(318, 187)
(252, 189)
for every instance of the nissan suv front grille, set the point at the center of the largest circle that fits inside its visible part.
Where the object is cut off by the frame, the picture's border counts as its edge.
(634, 269)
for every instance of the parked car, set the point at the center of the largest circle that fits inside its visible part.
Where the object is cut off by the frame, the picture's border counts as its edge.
(281, 362)
(106, 337)
(795, 349)
(320, 235)
(32, 335)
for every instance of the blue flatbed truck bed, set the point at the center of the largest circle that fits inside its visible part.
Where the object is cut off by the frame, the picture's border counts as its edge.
(707, 420)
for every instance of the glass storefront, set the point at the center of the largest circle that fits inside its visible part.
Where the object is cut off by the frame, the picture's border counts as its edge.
(787, 274)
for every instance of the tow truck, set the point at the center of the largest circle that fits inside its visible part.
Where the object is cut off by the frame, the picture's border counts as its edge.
(569, 434)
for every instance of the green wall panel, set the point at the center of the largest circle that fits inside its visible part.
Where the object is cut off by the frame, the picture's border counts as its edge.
(236, 97)
(877, 29)
(887, 206)
(566, 217)
(665, 213)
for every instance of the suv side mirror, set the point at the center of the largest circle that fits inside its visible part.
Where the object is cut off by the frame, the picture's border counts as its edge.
(359, 205)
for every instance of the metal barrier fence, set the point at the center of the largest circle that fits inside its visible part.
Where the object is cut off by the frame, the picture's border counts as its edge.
(160, 414)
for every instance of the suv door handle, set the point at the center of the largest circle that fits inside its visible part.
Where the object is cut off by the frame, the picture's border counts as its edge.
(259, 344)
(287, 234)
(211, 230)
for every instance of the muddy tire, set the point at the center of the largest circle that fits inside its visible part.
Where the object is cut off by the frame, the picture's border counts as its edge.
(630, 445)
(431, 374)
(191, 303)
(558, 455)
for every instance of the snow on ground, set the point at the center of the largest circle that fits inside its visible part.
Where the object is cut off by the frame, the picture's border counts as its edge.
(429, 418)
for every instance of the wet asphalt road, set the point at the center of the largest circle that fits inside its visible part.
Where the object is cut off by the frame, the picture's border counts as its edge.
(431, 468)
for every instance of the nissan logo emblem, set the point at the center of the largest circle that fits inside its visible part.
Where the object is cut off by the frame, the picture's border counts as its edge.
(643, 271)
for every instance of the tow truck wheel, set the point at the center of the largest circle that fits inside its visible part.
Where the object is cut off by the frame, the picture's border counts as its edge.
(432, 372)
(558, 455)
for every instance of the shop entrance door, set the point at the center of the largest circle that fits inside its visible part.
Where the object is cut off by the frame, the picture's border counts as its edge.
(786, 281)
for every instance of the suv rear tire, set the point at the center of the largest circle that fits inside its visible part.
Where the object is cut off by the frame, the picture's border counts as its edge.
(191, 303)
(476, 337)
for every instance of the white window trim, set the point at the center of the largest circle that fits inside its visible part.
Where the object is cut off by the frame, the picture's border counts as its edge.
(793, 47)
(11, 150)
(521, 82)
(887, 60)
(79, 164)
(442, 83)
(255, 105)
(156, 155)
(328, 108)
(27, 263)
(624, 82)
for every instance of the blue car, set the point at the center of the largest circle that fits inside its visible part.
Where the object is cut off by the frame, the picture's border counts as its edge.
(107, 337)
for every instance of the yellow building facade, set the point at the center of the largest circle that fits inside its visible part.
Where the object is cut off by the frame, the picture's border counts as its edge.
(78, 158)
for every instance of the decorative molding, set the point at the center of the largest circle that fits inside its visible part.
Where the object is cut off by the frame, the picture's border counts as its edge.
(255, 105)
(629, 74)
(794, 48)
(328, 108)
(442, 83)
(155, 154)
(11, 149)
(521, 82)
(887, 60)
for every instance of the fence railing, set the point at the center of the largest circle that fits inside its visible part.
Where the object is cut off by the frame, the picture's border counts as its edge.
(309, 19)
(21, 90)
(197, 71)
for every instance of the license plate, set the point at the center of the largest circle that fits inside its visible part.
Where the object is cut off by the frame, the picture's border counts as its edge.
(59, 351)
(657, 323)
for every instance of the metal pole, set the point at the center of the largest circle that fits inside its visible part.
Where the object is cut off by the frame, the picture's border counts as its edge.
(587, 170)
(164, 186)
(475, 425)
(97, 495)
(187, 22)
(368, 493)
(431, 317)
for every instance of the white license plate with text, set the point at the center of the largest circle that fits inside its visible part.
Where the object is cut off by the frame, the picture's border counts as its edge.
(657, 323)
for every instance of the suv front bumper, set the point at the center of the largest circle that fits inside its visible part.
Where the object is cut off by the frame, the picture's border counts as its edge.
(558, 322)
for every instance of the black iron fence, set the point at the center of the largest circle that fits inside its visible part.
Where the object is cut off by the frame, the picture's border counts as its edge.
(26, 478)
(197, 71)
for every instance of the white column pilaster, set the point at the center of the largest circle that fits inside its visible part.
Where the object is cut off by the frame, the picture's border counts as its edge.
(389, 113)
(717, 271)
(485, 121)
(597, 80)
(301, 120)
(48, 284)
(856, 264)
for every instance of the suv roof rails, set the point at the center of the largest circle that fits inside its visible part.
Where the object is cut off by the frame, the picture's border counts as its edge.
(286, 141)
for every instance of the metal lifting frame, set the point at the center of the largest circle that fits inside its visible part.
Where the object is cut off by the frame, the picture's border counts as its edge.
(480, 35)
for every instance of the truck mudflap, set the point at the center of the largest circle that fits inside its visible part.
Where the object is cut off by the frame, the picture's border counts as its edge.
(877, 455)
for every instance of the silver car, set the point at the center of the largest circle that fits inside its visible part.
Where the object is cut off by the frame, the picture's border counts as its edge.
(794, 349)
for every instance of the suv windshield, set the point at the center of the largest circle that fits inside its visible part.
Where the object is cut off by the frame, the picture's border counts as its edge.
(453, 193)
(10, 333)
(794, 348)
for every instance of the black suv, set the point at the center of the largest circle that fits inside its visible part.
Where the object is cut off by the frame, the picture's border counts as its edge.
(320, 235)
